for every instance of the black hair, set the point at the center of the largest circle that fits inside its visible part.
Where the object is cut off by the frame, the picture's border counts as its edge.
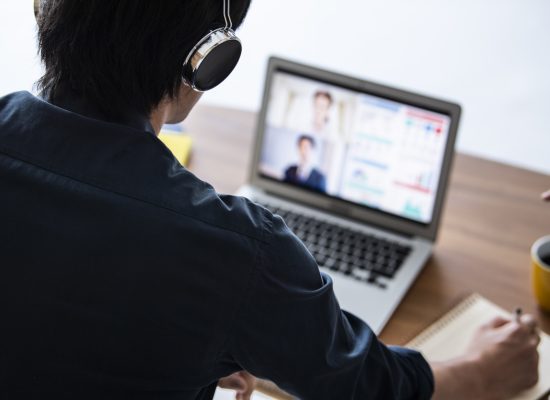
(123, 55)
(309, 138)
(323, 93)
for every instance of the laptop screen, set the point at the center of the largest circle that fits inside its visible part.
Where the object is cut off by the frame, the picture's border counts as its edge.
(354, 146)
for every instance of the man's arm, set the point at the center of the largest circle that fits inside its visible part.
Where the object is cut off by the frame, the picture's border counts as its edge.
(292, 331)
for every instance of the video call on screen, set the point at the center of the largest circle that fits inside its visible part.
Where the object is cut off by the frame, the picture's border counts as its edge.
(350, 145)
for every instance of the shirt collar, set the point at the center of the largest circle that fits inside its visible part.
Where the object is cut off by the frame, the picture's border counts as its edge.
(71, 101)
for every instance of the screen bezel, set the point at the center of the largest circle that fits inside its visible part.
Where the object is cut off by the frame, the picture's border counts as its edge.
(337, 205)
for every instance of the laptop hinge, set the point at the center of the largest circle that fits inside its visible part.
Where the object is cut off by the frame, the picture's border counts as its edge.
(334, 211)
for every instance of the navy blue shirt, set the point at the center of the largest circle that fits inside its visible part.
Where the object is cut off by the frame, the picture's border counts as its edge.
(122, 275)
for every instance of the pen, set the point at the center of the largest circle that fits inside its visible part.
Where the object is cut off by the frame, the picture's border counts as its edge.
(517, 315)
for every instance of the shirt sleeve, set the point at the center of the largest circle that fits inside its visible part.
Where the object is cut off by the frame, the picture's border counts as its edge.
(292, 331)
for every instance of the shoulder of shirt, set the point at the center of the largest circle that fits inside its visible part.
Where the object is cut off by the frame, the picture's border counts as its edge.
(164, 184)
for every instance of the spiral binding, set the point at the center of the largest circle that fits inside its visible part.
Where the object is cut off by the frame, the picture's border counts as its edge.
(441, 323)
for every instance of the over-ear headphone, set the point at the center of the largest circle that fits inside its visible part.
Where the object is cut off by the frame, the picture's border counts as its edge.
(212, 59)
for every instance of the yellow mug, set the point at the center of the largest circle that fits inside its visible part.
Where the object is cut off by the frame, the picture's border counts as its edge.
(540, 261)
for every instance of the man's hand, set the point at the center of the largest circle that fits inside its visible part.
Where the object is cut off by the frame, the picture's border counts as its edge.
(241, 382)
(546, 195)
(501, 361)
(506, 355)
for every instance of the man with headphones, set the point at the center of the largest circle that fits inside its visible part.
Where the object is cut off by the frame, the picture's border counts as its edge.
(122, 275)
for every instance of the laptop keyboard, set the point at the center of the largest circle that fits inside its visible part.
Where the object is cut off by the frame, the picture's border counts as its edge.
(356, 254)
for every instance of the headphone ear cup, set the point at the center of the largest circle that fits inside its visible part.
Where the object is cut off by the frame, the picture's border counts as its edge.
(217, 65)
(212, 60)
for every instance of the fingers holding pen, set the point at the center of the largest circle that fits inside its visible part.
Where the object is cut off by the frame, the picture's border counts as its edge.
(529, 322)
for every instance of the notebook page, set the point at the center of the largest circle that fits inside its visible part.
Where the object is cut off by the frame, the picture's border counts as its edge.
(449, 336)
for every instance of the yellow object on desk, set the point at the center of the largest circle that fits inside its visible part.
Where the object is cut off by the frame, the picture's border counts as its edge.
(540, 271)
(179, 145)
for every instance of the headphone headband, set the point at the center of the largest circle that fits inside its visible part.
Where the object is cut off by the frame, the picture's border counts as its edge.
(36, 8)
(227, 14)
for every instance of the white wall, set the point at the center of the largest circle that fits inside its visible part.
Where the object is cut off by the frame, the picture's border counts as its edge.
(492, 56)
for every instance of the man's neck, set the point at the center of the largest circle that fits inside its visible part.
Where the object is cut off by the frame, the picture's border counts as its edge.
(159, 116)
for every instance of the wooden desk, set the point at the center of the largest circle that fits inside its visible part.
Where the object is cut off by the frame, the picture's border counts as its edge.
(492, 216)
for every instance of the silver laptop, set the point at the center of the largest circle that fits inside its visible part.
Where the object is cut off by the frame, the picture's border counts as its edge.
(359, 172)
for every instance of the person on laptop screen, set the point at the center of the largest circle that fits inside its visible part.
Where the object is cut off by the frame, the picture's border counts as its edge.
(122, 275)
(305, 173)
(322, 104)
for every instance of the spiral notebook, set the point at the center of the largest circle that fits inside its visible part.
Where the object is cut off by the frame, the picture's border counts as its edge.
(457, 328)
